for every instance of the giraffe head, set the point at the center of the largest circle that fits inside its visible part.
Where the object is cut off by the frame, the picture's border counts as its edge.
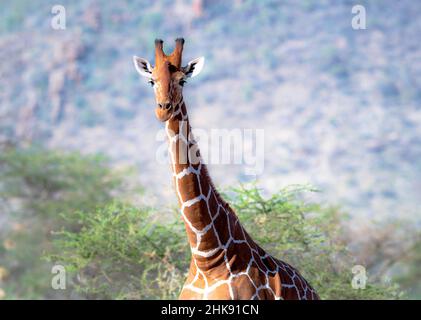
(168, 76)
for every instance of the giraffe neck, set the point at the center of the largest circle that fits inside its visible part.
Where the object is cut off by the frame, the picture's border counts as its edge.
(200, 203)
(226, 262)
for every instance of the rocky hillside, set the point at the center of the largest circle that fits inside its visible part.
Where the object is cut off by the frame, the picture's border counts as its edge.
(340, 108)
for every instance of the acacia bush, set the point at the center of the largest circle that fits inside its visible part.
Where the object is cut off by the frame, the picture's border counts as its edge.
(125, 252)
(65, 208)
(308, 236)
(39, 187)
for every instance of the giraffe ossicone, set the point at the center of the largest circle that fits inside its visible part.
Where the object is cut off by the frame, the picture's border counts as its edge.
(226, 263)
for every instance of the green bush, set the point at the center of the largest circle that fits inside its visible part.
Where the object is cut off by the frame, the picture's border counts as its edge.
(37, 188)
(124, 252)
(76, 211)
(308, 236)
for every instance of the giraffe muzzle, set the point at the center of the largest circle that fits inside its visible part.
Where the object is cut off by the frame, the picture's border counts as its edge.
(164, 111)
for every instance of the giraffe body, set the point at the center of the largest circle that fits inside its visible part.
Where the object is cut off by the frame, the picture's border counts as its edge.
(226, 263)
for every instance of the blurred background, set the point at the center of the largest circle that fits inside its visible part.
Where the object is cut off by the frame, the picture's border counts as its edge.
(340, 109)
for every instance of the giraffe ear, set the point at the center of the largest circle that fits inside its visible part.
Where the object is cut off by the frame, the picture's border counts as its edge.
(194, 67)
(143, 67)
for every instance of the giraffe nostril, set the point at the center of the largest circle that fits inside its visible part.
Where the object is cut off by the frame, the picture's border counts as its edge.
(165, 106)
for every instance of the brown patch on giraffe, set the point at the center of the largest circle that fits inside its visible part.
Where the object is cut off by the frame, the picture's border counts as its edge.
(243, 288)
(238, 255)
(221, 224)
(213, 203)
(173, 126)
(258, 277)
(275, 283)
(236, 230)
(290, 293)
(208, 240)
(271, 266)
(288, 290)
(197, 214)
(188, 187)
(265, 294)
(204, 183)
(259, 262)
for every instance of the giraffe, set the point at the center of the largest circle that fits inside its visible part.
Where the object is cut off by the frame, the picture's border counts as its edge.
(225, 261)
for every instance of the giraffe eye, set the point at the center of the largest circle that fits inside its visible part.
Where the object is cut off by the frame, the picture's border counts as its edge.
(182, 82)
(151, 82)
